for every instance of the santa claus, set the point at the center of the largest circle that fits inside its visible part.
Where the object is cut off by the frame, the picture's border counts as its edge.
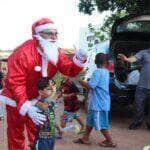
(35, 58)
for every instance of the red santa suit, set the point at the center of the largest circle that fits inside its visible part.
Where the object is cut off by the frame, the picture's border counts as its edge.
(25, 66)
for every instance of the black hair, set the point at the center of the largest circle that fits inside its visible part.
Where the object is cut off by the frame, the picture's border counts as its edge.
(100, 58)
(1, 78)
(53, 81)
(43, 83)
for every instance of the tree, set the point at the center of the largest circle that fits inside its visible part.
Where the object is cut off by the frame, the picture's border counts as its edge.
(130, 6)
(95, 35)
(109, 20)
(119, 8)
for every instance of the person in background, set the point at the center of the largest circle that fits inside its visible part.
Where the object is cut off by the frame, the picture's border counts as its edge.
(142, 94)
(45, 136)
(69, 93)
(99, 103)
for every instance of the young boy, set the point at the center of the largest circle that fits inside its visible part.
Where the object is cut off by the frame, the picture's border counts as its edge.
(99, 103)
(45, 137)
(69, 93)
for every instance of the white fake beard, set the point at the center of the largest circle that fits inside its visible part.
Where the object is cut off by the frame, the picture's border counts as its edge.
(50, 50)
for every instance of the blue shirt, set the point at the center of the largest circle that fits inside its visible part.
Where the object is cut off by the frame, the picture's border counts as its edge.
(99, 84)
(144, 57)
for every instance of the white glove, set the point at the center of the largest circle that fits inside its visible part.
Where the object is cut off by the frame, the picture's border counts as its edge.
(33, 112)
(82, 54)
(36, 116)
(7, 101)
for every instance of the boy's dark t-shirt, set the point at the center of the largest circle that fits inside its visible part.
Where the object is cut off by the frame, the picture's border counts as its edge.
(47, 130)
(71, 103)
(1, 77)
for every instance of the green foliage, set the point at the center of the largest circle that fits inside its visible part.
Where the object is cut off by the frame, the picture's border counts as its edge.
(57, 79)
(109, 20)
(90, 45)
(97, 34)
(119, 8)
(86, 6)
(130, 6)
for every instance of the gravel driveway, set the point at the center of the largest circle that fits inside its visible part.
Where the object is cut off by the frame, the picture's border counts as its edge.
(120, 119)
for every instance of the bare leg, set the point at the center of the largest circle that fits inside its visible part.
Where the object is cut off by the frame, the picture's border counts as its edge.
(59, 131)
(87, 133)
(107, 136)
(81, 122)
(63, 123)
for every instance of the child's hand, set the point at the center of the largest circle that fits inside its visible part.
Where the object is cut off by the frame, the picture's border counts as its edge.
(42, 105)
(51, 83)
(84, 84)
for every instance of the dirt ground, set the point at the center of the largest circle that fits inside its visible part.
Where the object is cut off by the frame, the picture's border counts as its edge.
(119, 121)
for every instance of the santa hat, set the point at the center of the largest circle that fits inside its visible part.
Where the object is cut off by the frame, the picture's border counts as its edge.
(43, 24)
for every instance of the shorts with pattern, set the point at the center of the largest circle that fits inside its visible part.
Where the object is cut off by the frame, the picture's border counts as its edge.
(69, 116)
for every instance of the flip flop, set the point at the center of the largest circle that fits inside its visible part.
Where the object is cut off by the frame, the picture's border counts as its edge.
(81, 132)
(107, 144)
(80, 141)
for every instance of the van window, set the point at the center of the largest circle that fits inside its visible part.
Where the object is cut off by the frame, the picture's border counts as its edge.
(136, 26)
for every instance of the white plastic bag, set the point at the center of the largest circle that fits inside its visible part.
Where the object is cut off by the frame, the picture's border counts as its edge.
(133, 77)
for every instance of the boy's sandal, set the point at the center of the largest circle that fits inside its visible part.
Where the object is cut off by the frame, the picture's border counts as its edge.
(81, 132)
(80, 141)
(107, 144)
